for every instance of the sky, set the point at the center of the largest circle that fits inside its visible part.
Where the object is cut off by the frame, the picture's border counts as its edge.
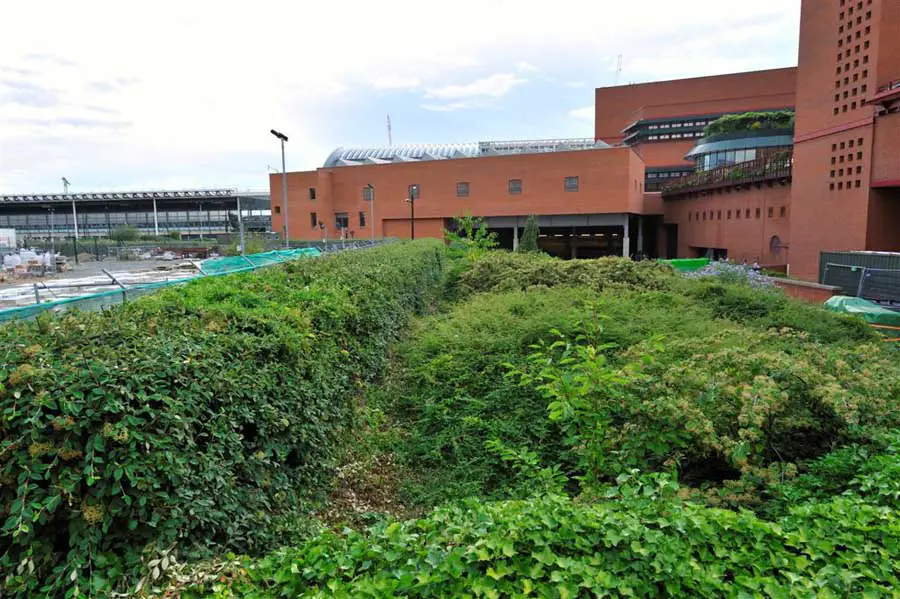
(162, 94)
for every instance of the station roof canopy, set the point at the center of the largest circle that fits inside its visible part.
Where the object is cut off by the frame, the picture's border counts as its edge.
(419, 153)
(184, 195)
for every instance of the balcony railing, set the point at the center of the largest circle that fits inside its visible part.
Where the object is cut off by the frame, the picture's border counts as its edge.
(774, 167)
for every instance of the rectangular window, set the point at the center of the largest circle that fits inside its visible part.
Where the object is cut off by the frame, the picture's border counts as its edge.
(362, 219)
(313, 221)
(462, 189)
(413, 191)
(782, 211)
(571, 184)
(719, 215)
(342, 220)
(729, 215)
(515, 186)
(312, 193)
(757, 214)
(277, 209)
(689, 216)
(368, 193)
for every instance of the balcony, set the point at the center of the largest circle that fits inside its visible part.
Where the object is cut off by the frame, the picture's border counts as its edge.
(770, 169)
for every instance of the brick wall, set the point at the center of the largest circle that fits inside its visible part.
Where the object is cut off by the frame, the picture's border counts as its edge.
(807, 292)
(610, 181)
(745, 238)
(619, 106)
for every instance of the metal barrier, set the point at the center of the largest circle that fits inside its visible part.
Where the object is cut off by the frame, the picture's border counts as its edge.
(876, 284)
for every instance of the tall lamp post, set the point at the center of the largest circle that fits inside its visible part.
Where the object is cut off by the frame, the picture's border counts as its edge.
(284, 207)
(413, 195)
(66, 184)
(371, 193)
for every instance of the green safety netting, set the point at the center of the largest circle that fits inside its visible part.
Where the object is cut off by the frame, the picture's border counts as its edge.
(107, 299)
(687, 264)
(872, 313)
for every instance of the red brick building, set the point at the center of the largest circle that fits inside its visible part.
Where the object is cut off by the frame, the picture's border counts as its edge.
(652, 181)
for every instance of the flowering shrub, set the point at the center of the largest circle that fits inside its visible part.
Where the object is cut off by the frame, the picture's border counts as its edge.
(731, 272)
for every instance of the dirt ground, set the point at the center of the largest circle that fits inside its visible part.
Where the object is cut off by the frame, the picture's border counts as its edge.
(89, 278)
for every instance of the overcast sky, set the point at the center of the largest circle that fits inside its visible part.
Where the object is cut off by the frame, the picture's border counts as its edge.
(165, 94)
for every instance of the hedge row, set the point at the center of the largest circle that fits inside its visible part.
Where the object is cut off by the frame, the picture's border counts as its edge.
(640, 542)
(204, 416)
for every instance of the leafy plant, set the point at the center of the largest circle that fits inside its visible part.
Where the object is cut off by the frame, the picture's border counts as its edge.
(125, 233)
(529, 241)
(639, 540)
(203, 418)
(777, 120)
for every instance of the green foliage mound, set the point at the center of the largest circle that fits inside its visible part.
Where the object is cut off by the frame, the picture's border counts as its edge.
(751, 121)
(205, 416)
(592, 384)
(640, 541)
(506, 271)
(766, 310)
(453, 394)
(736, 404)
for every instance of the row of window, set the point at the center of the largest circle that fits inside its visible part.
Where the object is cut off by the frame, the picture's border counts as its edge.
(679, 124)
(675, 136)
(840, 185)
(669, 174)
(717, 215)
(725, 158)
(514, 186)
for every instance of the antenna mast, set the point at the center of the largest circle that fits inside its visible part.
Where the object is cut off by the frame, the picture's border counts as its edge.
(618, 68)
(390, 141)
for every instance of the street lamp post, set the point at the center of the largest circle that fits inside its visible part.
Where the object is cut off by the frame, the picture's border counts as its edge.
(371, 198)
(284, 207)
(65, 183)
(413, 192)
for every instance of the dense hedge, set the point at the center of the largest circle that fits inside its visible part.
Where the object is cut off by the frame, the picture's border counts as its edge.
(203, 416)
(505, 271)
(739, 388)
(751, 121)
(639, 542)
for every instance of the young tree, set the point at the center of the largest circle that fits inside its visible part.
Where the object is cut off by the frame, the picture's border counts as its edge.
(529, 240)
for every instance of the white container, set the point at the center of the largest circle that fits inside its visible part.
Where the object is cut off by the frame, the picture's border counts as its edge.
(7, 238)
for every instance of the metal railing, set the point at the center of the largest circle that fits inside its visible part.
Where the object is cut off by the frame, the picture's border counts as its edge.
(876, 284)
(774, 167)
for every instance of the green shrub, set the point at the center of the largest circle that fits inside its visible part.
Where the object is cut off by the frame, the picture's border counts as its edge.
(750, 121)
(452, 395)
(764, 310)
(736, 403)
(205, 416)
(639, 542)
(507, 271)
(529, 241)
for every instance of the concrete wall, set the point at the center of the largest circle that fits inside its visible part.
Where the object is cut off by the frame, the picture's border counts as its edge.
(807, 292)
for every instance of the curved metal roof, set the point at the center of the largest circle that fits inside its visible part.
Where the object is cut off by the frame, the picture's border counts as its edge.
(416, 153)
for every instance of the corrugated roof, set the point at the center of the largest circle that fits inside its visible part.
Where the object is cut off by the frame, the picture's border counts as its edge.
(416, 153)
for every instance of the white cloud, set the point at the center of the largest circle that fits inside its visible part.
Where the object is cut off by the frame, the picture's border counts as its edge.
(586, 113)
(449, 107)
(493, 86)
(396, 82)
(199, 106)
